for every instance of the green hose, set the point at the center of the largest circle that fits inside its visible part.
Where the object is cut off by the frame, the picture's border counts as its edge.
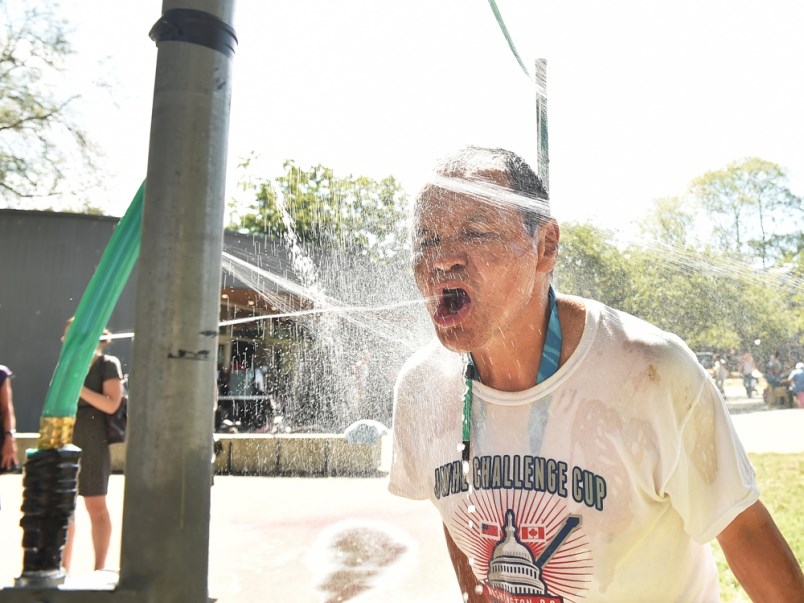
(51, 469)
(93, 313)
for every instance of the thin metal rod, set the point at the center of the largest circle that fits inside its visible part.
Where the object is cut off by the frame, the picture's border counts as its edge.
(543, 154)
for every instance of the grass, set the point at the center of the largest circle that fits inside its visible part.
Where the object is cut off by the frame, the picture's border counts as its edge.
(782, 491)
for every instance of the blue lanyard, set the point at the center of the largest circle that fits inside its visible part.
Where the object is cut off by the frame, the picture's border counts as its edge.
(547, 367)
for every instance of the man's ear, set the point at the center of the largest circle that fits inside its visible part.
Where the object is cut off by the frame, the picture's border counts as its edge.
(549, 234)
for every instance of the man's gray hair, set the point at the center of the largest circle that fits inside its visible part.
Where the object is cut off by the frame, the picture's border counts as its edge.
(520, 179)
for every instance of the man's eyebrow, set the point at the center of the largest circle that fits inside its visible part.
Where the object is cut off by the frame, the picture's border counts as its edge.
(478, 216)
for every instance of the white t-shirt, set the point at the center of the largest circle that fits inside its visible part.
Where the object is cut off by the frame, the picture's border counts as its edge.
(603, 483)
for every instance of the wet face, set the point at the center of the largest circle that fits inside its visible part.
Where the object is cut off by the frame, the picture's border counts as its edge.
(478, 268)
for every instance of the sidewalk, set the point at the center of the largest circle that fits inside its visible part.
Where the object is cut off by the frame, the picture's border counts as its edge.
(288, 539)
(762, 429)
(305, 540)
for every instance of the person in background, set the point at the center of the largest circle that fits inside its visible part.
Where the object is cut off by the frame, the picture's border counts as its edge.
(8, 461)
(796, 379)
(721, 372)
(101, 394)
(774, 373)
(747, 367)
(572, 451)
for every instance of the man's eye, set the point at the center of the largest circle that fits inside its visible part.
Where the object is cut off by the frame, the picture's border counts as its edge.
(429, 242)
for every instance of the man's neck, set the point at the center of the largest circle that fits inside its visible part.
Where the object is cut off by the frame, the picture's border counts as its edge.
(512, 364)
(510, 361)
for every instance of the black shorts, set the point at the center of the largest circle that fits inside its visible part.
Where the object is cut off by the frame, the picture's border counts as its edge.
(95, 465)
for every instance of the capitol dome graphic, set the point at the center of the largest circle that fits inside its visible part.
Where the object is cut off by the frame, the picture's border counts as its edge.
(512, 566)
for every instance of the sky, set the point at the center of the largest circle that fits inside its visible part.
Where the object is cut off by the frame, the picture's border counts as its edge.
(643, 96)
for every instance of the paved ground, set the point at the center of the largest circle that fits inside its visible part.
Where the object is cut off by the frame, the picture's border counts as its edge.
(762, 429)
(299, 540)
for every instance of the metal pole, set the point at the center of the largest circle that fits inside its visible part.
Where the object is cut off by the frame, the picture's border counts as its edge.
(164, 552)
(543, 155)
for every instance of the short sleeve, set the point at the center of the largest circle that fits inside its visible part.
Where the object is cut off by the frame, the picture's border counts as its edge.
(111, 369)
(713, 480)
(5, 373)
(405, 479)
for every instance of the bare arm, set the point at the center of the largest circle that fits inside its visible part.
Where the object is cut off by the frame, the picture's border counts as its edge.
(109, 400)
(8, 456)
(466, 578)
(760, 557)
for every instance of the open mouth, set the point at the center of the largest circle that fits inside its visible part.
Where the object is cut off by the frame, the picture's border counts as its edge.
(450, 304)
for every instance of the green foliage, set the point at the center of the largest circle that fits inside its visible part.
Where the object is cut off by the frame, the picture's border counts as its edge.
(709, 302)
(36, 132)
(590, 265)
(354, 214)
(670, 221)
(746, 200)
(712, 294)
(779, 479)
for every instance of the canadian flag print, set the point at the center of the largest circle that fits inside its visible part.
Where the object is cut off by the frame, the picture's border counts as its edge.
(531, 533)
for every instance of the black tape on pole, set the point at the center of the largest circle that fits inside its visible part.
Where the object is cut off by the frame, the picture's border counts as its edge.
(195, 27)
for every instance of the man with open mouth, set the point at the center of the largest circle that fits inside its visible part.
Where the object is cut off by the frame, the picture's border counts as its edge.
(574, 452)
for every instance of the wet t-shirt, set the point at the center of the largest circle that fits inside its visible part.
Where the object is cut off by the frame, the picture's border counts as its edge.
(603, 483)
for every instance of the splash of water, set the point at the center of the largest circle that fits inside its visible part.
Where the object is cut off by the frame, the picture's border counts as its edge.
(362, 319)
(357, 321)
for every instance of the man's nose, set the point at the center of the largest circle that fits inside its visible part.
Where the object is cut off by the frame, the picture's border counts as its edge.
(449, 257)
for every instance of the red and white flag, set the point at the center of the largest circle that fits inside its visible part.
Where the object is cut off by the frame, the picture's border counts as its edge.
(489, 530)
(531, 532)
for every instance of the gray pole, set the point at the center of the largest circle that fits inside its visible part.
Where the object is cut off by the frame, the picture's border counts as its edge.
(543, 156)
(164, 551)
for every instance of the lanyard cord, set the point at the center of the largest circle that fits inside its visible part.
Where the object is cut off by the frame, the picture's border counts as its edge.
(547, 368)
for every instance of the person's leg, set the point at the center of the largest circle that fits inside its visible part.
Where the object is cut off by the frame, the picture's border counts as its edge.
(101, 528)
(67, 553)
(800, 396)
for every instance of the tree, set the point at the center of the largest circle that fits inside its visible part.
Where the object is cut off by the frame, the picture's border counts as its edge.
(37, 134)
(590, 265)
(345, 236)
(357, 215)
(670, 222)
(707, 299)
(691, 294)
(746, 199)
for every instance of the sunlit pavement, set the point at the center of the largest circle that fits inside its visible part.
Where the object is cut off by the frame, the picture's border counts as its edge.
(307, 540)
(280, 539)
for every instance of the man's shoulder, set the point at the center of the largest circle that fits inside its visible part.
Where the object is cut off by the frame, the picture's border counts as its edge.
(636, 334)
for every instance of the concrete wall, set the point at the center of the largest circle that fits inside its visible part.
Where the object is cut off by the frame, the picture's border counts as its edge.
(298, 455)
(320, 455)
(48, 260)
